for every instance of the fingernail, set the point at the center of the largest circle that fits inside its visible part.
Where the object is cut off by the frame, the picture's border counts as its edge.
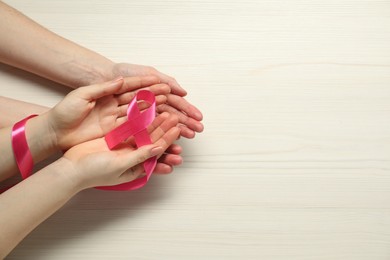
(199, 128)
(181, 161)
(198, 115)
(185, 91)
(156, 151)
(180, 88)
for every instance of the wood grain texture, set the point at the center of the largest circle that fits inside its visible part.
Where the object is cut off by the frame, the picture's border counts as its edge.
(294, 162)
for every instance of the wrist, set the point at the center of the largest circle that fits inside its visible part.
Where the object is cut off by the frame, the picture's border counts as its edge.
(41, 138)
(96, 70)
(68, 175)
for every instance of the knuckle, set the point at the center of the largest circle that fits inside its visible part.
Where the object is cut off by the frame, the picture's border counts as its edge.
(164, 143)
(174, 119)
(165, 88)
(151, 70)
(161, 108)
(142, 158)
(172, 81)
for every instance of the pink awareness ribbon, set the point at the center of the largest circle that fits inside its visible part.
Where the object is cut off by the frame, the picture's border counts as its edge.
(136, 126)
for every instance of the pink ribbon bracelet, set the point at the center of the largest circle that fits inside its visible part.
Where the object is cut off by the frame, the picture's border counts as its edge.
(21, 151)
(20, 148)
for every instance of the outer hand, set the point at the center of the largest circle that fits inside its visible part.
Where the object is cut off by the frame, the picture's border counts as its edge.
(189, 115)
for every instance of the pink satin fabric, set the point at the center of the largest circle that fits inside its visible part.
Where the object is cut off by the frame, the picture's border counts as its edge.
(136, 126)
(20, 148)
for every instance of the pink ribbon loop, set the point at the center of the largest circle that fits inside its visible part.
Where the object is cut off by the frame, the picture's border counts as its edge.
(22, 154)
(136, 126)
(20, 148)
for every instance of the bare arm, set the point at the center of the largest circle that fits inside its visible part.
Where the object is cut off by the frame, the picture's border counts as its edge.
(27, 45)
(40, 148)
(29, 203)
(90, 164)
(20, 109)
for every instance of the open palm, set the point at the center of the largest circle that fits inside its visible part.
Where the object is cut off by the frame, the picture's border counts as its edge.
(96, 165)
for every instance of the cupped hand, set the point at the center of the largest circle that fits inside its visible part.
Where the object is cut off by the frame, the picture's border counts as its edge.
(189, 115)
(90, 112)
(93, 164)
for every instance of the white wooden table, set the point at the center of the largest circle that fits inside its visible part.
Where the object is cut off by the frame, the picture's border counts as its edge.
(294, 162)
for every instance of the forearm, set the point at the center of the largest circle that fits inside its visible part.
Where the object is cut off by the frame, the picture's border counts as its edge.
(12, 110)
(26, 205)
(40, 139)
(29, 46)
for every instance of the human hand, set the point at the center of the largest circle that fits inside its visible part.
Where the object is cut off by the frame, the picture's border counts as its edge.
(135, 70)
(90, 112)
(189, 115)
(172, 156)
(93, 164)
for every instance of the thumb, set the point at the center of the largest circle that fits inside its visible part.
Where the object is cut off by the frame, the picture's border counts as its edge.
(97, 91)
(143, 153)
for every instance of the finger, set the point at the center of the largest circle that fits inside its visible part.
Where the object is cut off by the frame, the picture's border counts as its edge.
(159, 100)
(183, 105)
(175, 86)
(171, 159)
(168, 138)
(162, 168)
(160, 126)
(137, 171)
(164, 165)
(135, 83)
(174, 149)
(96, 91)
(186, 132)
(125, 98)
(183, 118)
(122, 110)
(120, 120)
(134, 157)
(157, 89)
(159, 131)
(157, 122)
(154, 125)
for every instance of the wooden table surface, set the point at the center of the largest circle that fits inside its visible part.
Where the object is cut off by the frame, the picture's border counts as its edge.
(294, 162)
